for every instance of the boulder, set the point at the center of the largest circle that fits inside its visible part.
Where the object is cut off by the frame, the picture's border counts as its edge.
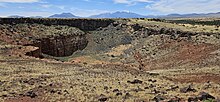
(204, 96)
(158, 98)
(102, 98)
(136, 81)
(187, 89)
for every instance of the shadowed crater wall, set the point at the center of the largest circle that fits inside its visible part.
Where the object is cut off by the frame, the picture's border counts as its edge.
(61, 46)
(83, 24)
(54, 40)
(55, 37)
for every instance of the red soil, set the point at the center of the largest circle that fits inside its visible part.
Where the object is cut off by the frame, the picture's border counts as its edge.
(185, 53)
(24, 99)
(197, 78)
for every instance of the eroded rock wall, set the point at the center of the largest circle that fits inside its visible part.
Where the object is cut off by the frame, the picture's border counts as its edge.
(62, 45)
(35, 52)
(58, 41)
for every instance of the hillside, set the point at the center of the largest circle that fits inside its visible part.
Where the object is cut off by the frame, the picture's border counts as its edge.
(118, 15)
(63, 15)
(122, 14)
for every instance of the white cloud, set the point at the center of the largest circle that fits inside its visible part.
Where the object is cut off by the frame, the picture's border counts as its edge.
(184, 6)
(86, 13)
(130, 1)
(26, 14)
(46, 5)
(19, 1)
(61, 7)
(2, 5)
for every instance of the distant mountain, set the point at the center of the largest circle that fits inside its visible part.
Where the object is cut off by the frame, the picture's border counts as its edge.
(36, 17)
(129, 15)
(118, 15)
(16, 16)
(63, 15)
(214, 14)
(193, 15)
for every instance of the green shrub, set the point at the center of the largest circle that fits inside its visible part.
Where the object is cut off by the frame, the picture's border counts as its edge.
(209, 100)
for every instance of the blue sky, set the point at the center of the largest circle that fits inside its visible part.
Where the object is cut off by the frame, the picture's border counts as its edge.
(86, 8)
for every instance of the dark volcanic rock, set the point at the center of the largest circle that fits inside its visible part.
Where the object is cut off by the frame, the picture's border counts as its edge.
(175, 99)
(192, 99)
(119, 94)
(172, 88)
(4, 95)
(155, 91)
(136, 81)
(158, 98)
(187, 89)
(102, 98)
(31, 94)
(127, 96)
(115, 90)
(204, 96)
(137, 90)
(154, 74)
(105, 87)
(83, 24)
(52, 91)
(151, 80)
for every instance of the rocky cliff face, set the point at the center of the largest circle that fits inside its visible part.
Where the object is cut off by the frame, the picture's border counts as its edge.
(34, 53)
(83, 24)
(58, 41)
(62, 45)
(55, 37)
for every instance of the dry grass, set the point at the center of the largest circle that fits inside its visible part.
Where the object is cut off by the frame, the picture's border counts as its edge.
(119, 50)
(183, 27)
(87, 83)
